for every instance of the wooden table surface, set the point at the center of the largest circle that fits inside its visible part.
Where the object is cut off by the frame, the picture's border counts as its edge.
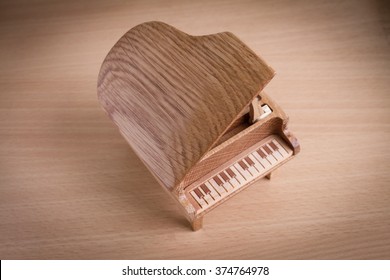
(71, 187)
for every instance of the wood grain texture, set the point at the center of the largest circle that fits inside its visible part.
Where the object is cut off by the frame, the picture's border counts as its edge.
(71, 187)
(173, 95)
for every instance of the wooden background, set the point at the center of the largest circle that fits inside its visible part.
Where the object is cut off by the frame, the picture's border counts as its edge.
(71, 188)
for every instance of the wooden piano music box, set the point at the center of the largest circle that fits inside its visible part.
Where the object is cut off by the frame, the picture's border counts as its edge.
(194, 111)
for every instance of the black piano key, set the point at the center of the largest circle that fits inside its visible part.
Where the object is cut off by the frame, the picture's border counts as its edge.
(230, 172)
(261, 153)
(224, 176)
(249, 161)
(243, 165)
(198, 193)
(205, 189)
(273, 146)
(217, 180)
(267, 150)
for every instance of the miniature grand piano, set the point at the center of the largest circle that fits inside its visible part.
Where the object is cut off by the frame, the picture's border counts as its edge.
(193, 110)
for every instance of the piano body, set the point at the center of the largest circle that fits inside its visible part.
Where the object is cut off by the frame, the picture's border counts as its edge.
(194, 111)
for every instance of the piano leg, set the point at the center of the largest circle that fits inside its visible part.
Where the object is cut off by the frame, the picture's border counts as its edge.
(270, 175)
(197, 224)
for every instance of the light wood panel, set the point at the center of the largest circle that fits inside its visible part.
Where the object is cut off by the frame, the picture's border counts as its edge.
(70, 187)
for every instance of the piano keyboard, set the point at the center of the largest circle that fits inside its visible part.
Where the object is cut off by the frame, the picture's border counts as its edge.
(255, 162)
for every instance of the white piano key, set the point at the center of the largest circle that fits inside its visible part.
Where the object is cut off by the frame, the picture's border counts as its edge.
(201, 202)
(234, 181)
(219, 183)
(282, 150)
(258, 166)
(252, 174)
(258, 160)
(245, 174)
(233, 178)
(207, 197)
(279, 151)
(276, 153)
(270, 158)
(253, 171)
(231, 184)
(228, 187)
(214, 194)
(251, 168)
(263, 161)
(226, 179)
(225, 184)
(221, 190)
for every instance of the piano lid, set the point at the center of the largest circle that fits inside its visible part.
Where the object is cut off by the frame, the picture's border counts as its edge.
(172, 95)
